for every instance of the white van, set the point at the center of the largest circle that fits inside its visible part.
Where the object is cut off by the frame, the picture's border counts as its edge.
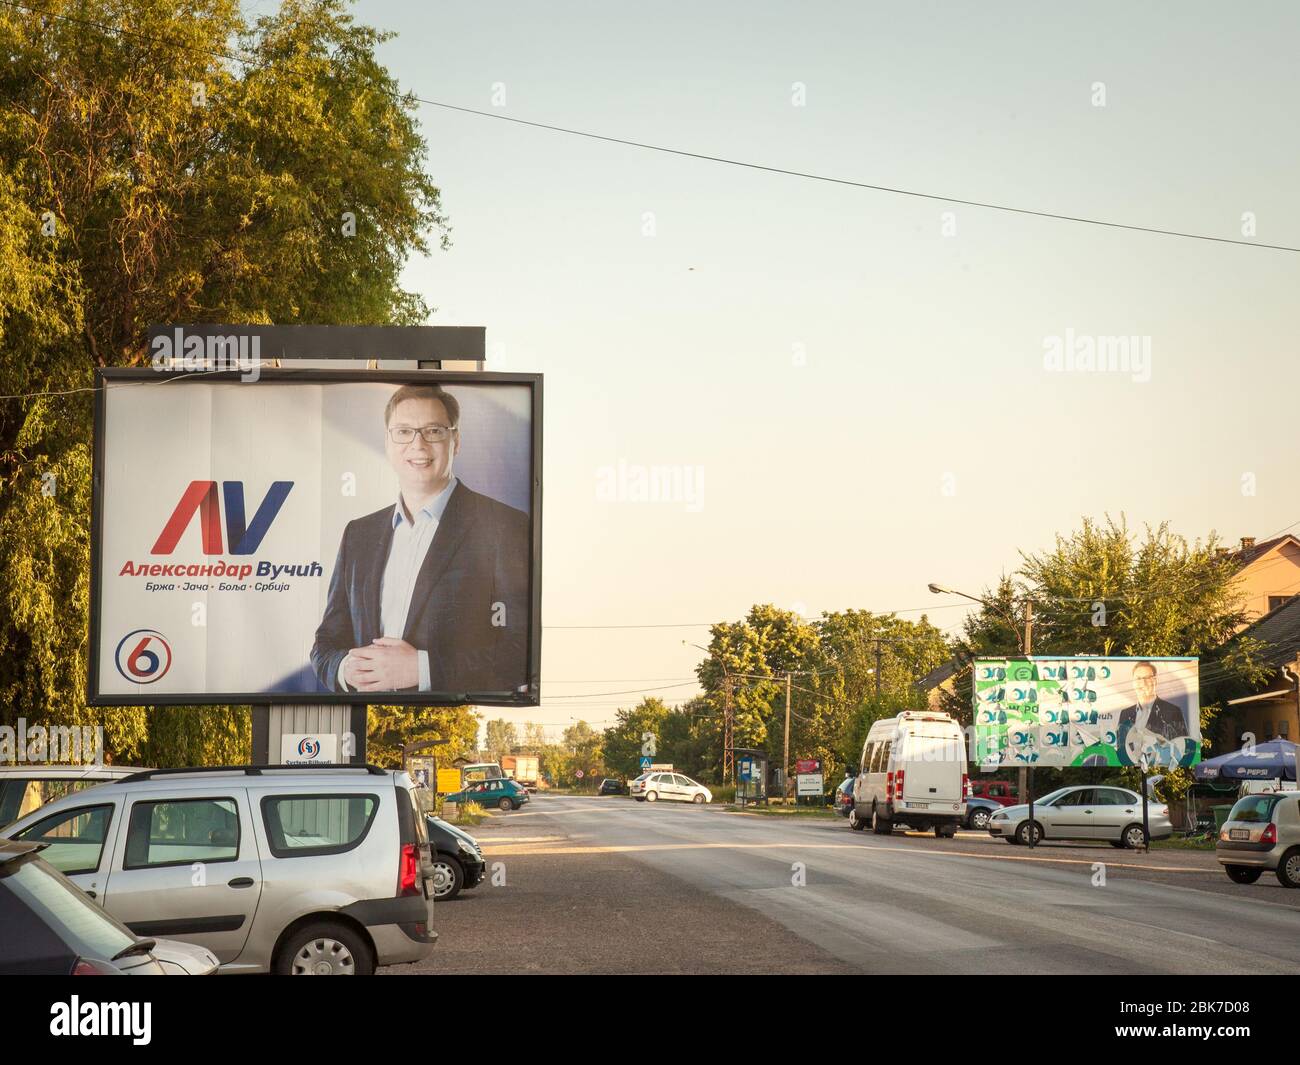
(913, 773)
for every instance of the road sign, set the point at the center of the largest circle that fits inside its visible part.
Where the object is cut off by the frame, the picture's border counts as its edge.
(645, 762)
(808, 765)
(579, 774)
(448, 781)
(809, 784)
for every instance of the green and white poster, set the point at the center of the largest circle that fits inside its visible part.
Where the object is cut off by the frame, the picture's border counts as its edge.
(1089, 711)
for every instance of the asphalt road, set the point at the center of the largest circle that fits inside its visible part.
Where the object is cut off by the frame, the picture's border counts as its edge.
(609, 885)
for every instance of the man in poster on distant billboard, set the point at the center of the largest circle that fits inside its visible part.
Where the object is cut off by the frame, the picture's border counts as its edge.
(1152, 722)
(429, 594)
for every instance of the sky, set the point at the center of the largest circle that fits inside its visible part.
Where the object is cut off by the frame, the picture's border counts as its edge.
(853, 390)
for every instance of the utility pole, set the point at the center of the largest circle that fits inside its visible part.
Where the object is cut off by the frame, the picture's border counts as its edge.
(785, 761)
(728, 739)
(878, 668)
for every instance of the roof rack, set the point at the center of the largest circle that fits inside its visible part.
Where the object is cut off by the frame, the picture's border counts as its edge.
(249, 770)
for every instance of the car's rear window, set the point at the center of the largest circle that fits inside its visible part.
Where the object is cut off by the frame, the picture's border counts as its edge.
(79, 923)
(300, 826)
(1255, 809)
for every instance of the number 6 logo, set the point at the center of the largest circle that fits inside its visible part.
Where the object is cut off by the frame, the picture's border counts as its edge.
(143, 656)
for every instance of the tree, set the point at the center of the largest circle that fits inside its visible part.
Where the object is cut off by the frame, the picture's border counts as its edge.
(151, 176)
(750, 655)
(534, 736)
(501, 738)
(393, 726)
(637, 730)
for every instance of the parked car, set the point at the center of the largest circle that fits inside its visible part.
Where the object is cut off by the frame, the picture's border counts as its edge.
(651, 787)
(612, 786)
(24, 788)
(913, 774)
(1262, 833)
(842, 801)
(979, 811)
(455, 857)
(500, 792)
(306, 870)
(54, 929)
(1104, 813)
(1002, 792)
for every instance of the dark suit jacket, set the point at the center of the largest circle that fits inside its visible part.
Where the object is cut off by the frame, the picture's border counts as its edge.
(1166, 720)
(478, 559)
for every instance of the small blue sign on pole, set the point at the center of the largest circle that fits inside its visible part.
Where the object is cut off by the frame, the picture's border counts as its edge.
(645, 762)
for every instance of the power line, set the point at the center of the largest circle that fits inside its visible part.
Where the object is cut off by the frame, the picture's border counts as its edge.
(699, 156)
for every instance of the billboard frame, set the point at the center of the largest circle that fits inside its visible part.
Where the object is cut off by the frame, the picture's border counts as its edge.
(449, 378)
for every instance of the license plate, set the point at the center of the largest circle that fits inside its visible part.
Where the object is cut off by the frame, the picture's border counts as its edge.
(917, 805)
(1239, 833)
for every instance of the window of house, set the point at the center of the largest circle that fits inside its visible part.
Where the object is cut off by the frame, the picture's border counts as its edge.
(1275, 601)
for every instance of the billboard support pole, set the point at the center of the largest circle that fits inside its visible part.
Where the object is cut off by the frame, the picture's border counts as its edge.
(1146, 820)
(1033, 832)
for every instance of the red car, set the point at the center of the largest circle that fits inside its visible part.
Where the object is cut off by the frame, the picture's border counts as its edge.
(1002, 792)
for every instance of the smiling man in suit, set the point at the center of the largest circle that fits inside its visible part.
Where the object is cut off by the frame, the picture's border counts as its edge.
(430, 594)
(1150, 718)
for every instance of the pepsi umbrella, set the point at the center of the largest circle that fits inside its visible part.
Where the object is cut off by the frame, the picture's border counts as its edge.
(1274, 759)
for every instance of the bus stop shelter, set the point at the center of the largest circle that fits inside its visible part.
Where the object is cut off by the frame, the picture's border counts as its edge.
(751, 775)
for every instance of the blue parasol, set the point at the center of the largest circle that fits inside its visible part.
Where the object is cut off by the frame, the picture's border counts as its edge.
(1274, 759)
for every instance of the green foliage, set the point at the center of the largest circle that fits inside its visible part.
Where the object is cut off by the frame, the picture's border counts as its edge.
(637, 730)
(392, 726)
(181, 186)
(501, 738)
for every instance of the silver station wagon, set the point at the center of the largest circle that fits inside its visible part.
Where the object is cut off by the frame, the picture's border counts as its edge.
(304, 870)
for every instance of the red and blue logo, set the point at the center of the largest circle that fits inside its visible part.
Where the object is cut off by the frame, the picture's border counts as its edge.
(309, 747)
(144, 656)
(201, 498)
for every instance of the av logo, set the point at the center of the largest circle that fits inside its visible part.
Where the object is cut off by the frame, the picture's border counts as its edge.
(309, 747)
(143, 656)
(201, 496)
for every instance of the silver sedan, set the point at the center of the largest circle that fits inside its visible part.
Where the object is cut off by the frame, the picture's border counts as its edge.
(1101, 813)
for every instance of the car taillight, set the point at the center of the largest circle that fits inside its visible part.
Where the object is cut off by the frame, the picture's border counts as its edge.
(965, 785)
(1163, 811)
(1270, 834)
(93, 968)
(898, 784)
(408, 870)
(889, 786)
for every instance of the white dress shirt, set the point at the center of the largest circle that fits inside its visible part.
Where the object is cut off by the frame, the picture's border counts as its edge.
(412, 537)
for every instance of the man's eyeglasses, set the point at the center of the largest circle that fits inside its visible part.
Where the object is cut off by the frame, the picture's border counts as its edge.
(432, 434)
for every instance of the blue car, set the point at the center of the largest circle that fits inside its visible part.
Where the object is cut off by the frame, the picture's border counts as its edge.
(502, 792)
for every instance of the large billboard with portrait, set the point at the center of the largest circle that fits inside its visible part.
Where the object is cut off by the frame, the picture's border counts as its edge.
(310, 536)
(1086, 711)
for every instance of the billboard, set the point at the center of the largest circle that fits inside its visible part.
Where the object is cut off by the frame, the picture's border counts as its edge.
(1088, 711)
(316, 536)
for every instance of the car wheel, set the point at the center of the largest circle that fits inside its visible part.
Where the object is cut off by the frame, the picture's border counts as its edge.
(651, 796)
(699, 799)
(1022, 833)
(505, 805)
(1242, 874)
(855, 822)
(325, 949)
(879, 825)
(1134, 837)
(448, 877)
(1288, 868)
(978, 820)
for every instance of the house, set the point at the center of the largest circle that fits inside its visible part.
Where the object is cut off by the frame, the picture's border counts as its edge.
(1272, 709)
(1269, 572)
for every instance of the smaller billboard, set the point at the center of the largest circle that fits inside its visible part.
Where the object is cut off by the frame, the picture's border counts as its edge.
(1086, 711)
